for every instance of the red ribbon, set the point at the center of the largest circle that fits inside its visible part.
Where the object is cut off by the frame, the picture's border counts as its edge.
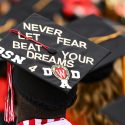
(9, 114)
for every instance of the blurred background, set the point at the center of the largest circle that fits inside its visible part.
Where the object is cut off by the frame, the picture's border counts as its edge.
(94, 95)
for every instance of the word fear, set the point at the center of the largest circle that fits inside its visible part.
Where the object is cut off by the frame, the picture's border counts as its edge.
(69, 42)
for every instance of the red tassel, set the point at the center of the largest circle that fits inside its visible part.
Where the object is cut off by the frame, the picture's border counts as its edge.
(9, 104)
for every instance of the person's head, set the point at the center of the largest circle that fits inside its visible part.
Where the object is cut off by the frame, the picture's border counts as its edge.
(36, 98)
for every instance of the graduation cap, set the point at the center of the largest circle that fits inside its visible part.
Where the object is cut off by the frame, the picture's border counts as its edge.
(18, 12)
(116, 110)
(21, 10)
(49, 60)
(97, 30)
(52, 8)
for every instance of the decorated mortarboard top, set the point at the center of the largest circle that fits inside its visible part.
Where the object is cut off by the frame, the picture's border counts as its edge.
(97, 30)
(116, 110)
(60, 58)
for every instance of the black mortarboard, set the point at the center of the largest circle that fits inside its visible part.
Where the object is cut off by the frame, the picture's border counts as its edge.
(54, 7)
(18, 12)
(95, 28)
(47, 71)
(21, 10)
(46, 8)
(116, 110)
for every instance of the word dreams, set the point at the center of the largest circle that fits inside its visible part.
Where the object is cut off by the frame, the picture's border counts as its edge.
(67, 61)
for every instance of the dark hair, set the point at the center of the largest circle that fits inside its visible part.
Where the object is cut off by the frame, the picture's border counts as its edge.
(93, 97)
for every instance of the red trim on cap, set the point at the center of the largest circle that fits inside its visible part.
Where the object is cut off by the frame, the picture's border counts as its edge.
(57, 119)
(32, 122)
(44, 121)
(21, 123)
(9, 114)
(41, 121)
